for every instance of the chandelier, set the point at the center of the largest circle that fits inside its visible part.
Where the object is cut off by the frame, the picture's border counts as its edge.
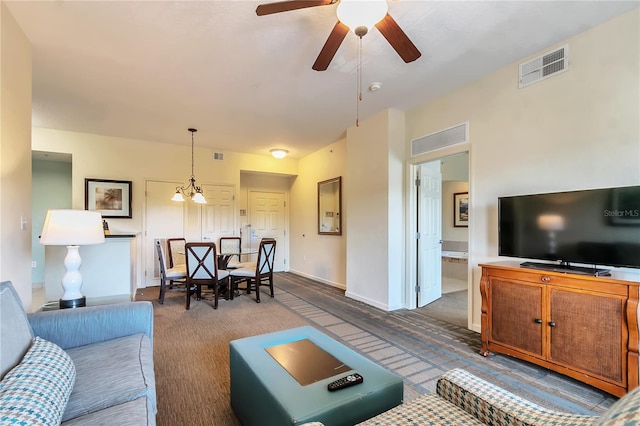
(192, 190)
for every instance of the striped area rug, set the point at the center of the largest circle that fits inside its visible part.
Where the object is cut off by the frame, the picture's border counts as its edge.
(191, 349)
(420, 347)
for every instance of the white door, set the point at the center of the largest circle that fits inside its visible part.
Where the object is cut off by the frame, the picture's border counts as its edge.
(217, 215)
(164, 219)
(267, 219)
(430, 230)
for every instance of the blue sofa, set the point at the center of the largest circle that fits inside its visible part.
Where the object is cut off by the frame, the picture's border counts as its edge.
(91, 365)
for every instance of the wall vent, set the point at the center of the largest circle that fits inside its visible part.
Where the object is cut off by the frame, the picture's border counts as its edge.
(218, 156)
(545, 66)
(452, 136)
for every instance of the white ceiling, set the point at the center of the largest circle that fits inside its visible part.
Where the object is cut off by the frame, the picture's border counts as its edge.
(150, 69)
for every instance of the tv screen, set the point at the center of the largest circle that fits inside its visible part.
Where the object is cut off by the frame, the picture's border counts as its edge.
(593, 227)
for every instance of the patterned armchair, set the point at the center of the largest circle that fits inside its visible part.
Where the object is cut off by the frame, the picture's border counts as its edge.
(463, 398)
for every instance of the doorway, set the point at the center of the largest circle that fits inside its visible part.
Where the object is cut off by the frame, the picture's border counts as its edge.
(443, 237)
(51, 189)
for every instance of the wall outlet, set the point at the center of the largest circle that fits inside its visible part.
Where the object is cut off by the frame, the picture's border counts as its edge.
(34, 264)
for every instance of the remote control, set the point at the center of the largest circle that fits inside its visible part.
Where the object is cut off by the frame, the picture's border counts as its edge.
(345, 382)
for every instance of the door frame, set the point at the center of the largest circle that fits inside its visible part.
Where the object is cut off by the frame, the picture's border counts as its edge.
(412, 222)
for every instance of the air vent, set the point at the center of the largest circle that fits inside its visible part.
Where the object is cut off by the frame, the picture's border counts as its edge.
(218, 156)
(544, 66)
(442, 139)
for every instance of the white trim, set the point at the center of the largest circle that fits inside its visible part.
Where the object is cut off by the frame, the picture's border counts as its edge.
(322, 280)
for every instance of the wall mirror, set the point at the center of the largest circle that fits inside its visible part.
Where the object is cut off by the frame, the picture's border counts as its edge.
(330, 207)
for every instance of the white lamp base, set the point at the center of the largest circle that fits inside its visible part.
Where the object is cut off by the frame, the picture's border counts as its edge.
(72, 280)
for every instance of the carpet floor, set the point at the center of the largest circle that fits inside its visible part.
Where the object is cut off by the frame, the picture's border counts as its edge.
(191, 348)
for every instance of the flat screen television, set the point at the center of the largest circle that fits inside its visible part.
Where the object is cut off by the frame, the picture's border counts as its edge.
(597, 227)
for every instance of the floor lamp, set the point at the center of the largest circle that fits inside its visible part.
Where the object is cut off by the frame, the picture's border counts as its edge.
(72, 228)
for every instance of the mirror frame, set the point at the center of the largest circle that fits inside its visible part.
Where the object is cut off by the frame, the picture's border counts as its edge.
(322, 184)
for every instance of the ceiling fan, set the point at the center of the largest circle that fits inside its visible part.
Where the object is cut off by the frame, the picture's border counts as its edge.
(352, 14)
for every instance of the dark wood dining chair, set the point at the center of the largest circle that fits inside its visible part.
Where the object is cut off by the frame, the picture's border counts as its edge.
(168, 276)
(259, 275)
(202, 270)
(231, 247)
(175, 254)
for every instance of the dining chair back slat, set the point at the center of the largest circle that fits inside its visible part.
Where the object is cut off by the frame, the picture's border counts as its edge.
(169, 276)
(260, 274)
(202, 270)
(175, 250)
(231, 246)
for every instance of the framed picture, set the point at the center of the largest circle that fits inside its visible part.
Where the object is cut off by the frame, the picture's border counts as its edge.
(112, 198)
(461, 209)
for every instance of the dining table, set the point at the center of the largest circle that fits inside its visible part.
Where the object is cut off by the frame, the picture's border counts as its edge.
(224, 258)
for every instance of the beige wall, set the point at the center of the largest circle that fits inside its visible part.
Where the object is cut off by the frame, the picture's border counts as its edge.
(103, 157)
(576, 130)
(15, 156)
(375, 210)
(322, 257)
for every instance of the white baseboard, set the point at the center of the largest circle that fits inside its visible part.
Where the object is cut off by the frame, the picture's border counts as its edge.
(322, 280)
(371, 302)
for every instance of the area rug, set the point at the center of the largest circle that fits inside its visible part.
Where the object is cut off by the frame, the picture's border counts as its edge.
(191, 349)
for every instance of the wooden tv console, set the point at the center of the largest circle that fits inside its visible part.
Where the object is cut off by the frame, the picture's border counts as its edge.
(583, 326)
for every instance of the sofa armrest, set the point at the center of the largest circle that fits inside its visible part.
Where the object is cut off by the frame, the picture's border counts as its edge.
(70, 328)
(491, 404)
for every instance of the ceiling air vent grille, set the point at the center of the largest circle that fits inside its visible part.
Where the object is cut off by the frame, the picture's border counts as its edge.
(442, 139)
(544, 66)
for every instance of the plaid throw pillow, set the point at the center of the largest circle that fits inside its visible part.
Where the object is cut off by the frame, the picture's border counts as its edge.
(36, 391)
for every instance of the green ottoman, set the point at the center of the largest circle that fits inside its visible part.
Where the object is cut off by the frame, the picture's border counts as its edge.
(264, 393)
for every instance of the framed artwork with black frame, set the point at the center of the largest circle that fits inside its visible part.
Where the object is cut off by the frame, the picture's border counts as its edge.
(461, 209)
(112, 198)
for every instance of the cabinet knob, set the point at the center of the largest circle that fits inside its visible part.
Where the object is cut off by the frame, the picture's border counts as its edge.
(537, 321)
(545, 278)
(552, 324)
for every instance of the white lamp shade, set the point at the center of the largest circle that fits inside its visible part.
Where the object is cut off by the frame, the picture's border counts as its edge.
(177, 197)
(72, 228)
(198, 198)
(357, 13)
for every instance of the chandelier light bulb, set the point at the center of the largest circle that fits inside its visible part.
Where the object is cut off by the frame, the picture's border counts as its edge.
(361, 13)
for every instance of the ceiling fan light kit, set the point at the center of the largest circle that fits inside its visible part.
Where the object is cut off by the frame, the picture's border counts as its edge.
(361, 15)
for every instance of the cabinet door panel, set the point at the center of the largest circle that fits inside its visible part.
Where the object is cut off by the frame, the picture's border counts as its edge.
(587, 332)
(515, 307)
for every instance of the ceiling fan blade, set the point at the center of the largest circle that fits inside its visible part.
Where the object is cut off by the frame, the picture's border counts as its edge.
(398, 39)
(331, 46)
(285, 6)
